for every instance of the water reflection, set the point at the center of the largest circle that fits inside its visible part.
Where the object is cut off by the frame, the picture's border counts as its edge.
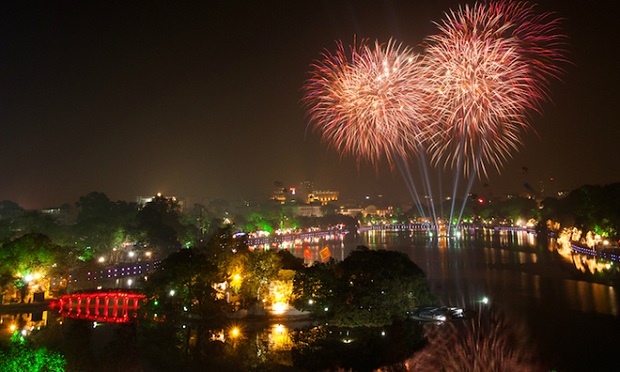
(24, 323)
(572, 321)
(312, 249)
(509, 266)
(591, 297)
(357, 349)
(279, 338)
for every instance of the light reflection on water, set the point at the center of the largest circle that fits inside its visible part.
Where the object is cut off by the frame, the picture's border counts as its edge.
(279, 338)
(311, 249)
(591, 297)
(509, 267)
(23, 322)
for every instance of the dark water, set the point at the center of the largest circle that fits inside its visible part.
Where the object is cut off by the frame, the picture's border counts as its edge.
(571, 321)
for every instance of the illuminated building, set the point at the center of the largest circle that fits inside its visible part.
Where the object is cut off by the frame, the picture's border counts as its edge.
(351, 211)
(64, 215)
(302, 194)
(308, 210)
(324, 197)
(284, 195)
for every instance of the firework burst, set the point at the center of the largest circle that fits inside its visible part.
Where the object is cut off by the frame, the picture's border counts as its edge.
(488, 342)
(538, 39)
(478, 92)
(488, 68)
(367, 101)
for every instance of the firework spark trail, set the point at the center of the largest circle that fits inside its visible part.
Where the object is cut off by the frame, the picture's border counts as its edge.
(406, 174)
(489, 67)
(427, 188)
(368, 102)
(454, 188)
(467, 101)
(539, 40)
(489, 342)
(470, 183)
(479, 92)
(439, 183)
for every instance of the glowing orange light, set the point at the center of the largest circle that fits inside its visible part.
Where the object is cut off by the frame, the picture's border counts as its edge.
(235, 332)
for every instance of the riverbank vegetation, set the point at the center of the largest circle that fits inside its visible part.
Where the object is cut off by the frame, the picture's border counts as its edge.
(590, 209)
(368, 288)
(211, 288)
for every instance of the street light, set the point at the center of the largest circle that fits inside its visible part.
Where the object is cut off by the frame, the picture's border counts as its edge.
(235, 332)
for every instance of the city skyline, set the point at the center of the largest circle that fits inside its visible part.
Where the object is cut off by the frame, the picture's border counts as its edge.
(204, 101)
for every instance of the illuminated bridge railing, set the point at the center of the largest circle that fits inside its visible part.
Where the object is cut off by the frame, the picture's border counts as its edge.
(116, 272)
(426, 226)
(276, 239)
(107, 307)
(414, 226)
(604, 255)
(514, 229)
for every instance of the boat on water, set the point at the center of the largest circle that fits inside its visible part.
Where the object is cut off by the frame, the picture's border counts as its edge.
(440, 314)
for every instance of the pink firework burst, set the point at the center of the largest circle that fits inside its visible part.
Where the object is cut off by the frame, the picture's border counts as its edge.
(486, 72)
(368, 101)
(538, 36)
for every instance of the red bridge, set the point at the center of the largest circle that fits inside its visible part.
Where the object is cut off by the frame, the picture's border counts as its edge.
(109, 307)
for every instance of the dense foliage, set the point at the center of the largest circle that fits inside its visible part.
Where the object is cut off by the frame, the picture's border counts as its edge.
(30, 258)
(368, 288)
(19, 356)
(589, 208)
(204, 282)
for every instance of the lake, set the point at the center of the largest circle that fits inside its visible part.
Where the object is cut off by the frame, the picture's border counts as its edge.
(572, 320)
(569, 319)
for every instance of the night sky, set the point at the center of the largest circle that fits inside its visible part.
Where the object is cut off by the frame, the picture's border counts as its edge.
(204, 101)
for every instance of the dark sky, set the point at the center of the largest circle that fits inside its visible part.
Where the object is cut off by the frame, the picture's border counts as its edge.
(203, 101)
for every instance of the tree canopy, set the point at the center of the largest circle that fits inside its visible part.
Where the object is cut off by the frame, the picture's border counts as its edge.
(590, 208)
(160, 221)
(368, 288)
(103, 224)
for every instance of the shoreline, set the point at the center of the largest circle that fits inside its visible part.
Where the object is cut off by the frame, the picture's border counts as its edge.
(25, 307)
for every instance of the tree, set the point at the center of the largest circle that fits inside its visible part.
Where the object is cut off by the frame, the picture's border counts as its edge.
(10, 210)
(103, 224)
(259, 222)
(262, 267)
(28, 259)
(382, 286)
(160, 221)
(17, 224)
(19, 356)
(184, 286)
(200, 220)
(188, 277)
(316, 288)
(368, 288)
(589, 208)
